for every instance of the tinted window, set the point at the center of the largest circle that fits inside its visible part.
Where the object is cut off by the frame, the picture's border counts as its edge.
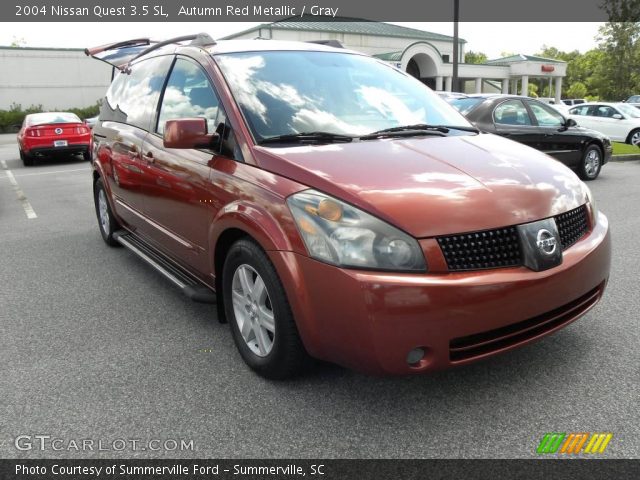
(605, 111)
(285, 92)
(511, 112)
(54, 117)
(584, 110)
(634, 99)
(133, 97)
(545, 116)
(188, 94)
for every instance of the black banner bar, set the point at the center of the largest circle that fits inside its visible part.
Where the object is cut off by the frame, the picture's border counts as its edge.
(312, 10)
(593, 469)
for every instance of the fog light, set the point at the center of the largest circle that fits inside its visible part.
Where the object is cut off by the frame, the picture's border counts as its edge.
(415, 356)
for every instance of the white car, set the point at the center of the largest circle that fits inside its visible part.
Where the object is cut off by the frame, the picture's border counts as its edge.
(619, 121)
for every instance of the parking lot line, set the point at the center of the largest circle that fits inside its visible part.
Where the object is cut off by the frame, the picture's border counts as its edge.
(22, 198)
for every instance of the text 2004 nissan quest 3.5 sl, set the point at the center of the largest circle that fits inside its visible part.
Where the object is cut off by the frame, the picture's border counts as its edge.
(337, 207)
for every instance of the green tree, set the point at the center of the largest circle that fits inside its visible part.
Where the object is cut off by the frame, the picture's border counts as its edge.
(618, 76)
(576, 90)
(475, 57)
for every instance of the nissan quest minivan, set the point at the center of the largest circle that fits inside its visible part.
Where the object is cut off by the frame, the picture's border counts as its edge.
(335, 208)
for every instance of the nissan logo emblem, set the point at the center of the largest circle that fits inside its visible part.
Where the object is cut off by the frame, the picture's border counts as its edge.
(58, 131)
(546, 242)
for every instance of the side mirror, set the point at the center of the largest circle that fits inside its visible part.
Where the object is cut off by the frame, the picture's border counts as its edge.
(188, 133)
(570, 123)
(617, 116)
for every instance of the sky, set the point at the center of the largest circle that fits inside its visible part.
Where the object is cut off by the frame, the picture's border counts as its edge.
(490, 38)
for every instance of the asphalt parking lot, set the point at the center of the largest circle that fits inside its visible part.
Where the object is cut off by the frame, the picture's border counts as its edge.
(95, 345)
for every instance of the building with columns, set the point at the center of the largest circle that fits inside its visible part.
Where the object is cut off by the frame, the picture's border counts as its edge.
(425, 55)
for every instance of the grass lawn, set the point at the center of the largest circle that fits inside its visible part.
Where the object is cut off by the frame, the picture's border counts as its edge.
(624, 149)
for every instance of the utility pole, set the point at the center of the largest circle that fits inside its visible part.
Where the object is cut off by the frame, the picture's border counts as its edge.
(455, 84)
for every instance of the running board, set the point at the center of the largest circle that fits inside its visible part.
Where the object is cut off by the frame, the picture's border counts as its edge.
(189, 286)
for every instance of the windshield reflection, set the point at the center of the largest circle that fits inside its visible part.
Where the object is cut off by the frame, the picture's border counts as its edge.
(289, 92)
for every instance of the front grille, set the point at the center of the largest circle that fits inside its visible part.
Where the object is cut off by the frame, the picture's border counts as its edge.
(572, 226)
(491, 341)
(500, 248)
(481, 250)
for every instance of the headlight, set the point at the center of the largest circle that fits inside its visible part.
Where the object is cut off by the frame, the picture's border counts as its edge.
(337, 233)
(591, 206)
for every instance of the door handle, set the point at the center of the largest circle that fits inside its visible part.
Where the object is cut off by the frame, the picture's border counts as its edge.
(148, 157)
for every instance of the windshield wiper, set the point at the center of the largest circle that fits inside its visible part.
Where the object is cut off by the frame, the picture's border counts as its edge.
(417, 129)
(308, 137)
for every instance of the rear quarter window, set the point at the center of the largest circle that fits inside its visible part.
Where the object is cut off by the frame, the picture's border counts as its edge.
(133, 97)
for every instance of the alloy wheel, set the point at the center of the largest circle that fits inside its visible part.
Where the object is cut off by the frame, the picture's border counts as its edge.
(592, 163)
(253, 310)
(103, 211)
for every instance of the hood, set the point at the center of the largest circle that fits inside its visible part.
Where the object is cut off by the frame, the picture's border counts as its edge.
(430, 186)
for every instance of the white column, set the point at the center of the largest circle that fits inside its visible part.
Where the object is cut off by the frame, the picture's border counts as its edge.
(479, 85)
(525, 85)
(447, 83)
(439, 83)
(505, 86)
(558, 89)
(514, 86)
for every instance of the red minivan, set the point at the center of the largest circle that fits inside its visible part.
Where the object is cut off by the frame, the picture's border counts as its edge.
(337, 207)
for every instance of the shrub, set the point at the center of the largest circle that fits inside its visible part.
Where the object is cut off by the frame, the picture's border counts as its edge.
(11, 120)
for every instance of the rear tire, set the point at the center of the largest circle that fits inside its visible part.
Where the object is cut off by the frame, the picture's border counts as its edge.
(87, 155)
(106, 221)
(591, 163)
(27, 159)
(258, 311)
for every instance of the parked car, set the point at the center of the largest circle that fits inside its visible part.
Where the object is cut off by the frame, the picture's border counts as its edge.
(574, 101)
(620, 121)
(539, 126)
(338, 207)
(559, 106)
(53, 133)
(633, 100)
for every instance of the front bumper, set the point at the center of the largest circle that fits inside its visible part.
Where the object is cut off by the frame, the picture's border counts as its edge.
(369, 321)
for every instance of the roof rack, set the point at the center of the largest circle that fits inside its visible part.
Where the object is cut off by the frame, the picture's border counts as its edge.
(328, 43)
(112, 46)
(197, 40)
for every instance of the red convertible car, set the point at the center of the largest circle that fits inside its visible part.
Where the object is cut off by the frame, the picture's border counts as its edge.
(337, 207)
(53, 133)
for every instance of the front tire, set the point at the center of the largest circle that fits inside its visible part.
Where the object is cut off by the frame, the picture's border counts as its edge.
(106, 221)
(591, 163)
(634, 137)
(258, 311)
(86, 155)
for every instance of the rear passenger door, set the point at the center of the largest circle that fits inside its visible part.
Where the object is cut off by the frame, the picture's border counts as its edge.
(181, 205)
(126, 116)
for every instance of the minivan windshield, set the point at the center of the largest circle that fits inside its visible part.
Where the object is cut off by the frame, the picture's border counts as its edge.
(291, 92)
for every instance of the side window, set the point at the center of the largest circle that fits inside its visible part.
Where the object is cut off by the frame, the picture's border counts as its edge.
(546, 116)
(188, 94)
(579, 111)
(133, 97)
(605, 111)
(511, 112)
